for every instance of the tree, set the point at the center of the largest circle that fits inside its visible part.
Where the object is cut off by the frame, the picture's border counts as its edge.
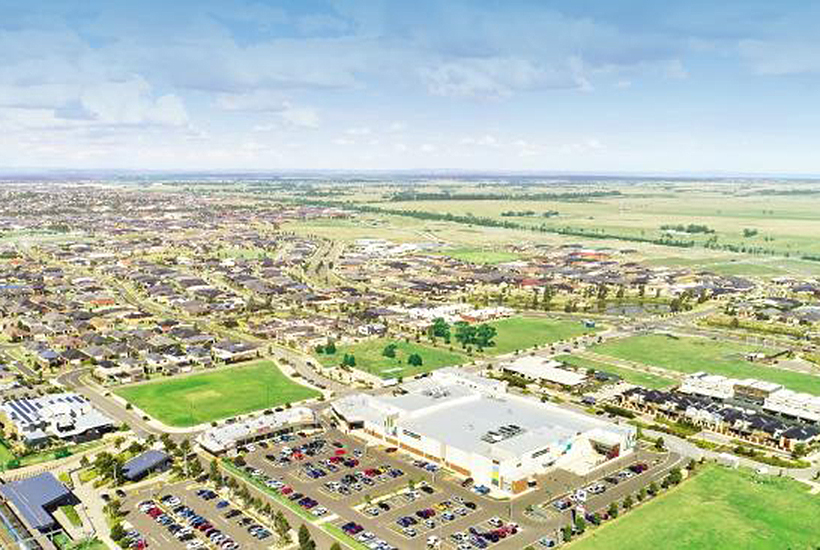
(336, 546)
(441, 329)
(653, 488)
(675, 476)
(613, 510)
(484, 335)
(305, 542)
(389, 350)
(117, 532)
(415, 360)
(627, 504)
(304, 535)
(113, 508)
(465, 333)
(660, 445)
(281, 525)
(567, 530)
(641, 496)
(580, 524)
(330, 348)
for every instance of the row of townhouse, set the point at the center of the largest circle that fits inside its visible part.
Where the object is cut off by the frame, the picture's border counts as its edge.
(746, 424)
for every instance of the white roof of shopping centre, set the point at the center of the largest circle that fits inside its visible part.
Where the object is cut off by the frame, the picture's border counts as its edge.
(466, 425)
(473, 420)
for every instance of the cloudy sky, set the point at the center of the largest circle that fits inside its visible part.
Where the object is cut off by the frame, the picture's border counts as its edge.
(583, 86)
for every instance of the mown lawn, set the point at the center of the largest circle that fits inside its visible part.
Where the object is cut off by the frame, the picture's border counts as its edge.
(719, 508)
(644, 379)
(481, 256)
(525, 332)
(191, 400)
(369, 357)
(692, 354)
(5, 454)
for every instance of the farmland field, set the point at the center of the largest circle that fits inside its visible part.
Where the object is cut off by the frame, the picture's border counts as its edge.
(719, 508)
(518, 333)
(639, 378)
(369, 357)
(190, 400)
(691, 354)
(781, 223)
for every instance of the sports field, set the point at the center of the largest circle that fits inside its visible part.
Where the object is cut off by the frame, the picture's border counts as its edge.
(481, 256)
(525, 332)
(719, 508)
(639, 378)
(369, 358)
(691, 354)
(190, 400)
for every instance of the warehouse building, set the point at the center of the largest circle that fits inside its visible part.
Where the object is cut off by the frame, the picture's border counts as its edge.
(476, 429)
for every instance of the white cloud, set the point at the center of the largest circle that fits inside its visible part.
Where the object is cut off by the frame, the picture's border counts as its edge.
(304, 117)
(485, 141)
(131, 102)
(781, 57)
(674, 69)
(359, 131)
(255, 100)
(499, 77)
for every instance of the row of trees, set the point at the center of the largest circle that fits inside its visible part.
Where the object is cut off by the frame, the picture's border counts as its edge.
(480, 336)
(674, 477)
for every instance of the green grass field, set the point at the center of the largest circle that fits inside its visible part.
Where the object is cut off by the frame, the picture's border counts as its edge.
(644, 379)
(525, 332)
(719, 508)
(5, 454)
(190, 400)
(369, 358)
(689, 354)
(481, 256)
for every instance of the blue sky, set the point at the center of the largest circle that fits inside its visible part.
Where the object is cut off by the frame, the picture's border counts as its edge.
(580, 86)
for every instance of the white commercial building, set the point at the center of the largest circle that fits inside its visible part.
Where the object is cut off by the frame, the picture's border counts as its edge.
(540, 369)
(228, 436)
(773, 397)
(798, 405)
(709, 385)
(66, 416)
(472, 426)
